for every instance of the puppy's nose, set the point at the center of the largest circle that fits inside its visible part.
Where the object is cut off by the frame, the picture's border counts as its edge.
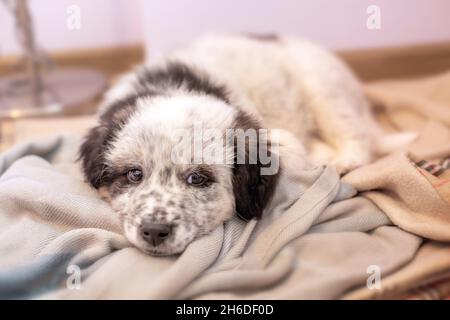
(154, 233)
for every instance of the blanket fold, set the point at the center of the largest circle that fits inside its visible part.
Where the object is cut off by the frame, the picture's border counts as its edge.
(412, 187)
(322, 238)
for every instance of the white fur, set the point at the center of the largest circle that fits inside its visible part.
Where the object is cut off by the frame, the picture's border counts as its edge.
(146, 142)
(295, 85)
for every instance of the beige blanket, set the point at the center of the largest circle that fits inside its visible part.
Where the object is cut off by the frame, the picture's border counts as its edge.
(415, 195)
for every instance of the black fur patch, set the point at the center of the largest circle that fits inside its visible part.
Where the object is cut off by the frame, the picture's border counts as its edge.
(151, 82)
(180, 75)
(268, 37)
(252, 190)
(98, 139)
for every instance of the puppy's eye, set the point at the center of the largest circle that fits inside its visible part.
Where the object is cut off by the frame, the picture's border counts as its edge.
(134, 175)
(196, 179)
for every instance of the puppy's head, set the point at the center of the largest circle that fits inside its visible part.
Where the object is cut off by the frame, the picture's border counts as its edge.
(143, 158)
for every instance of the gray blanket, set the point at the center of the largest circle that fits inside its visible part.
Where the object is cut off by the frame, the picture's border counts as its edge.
(58, 239)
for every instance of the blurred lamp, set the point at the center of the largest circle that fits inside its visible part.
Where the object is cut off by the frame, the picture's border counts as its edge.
(38, 88)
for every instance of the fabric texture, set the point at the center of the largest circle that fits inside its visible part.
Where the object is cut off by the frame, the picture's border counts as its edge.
(415, 195)
(320, 239)
(52, 220)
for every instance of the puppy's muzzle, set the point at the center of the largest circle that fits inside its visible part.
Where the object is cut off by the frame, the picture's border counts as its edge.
(154, 233)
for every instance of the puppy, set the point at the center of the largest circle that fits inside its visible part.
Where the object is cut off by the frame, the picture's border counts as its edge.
(166, 196)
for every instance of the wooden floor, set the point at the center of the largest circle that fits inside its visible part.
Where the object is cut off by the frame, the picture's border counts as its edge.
(368, 64)
(399, 62)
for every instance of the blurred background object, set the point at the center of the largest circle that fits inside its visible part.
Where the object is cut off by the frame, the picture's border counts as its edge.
(40, 88)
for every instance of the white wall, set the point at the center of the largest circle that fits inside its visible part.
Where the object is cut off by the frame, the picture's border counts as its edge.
(103, 23)
(165, 23)
(337, 24)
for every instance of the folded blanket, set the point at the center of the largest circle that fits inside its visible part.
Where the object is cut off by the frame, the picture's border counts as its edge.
(412, 187)
(52, 224)
(436, 289)
(322, 237)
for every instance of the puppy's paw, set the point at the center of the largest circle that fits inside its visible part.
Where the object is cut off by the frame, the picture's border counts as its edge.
(348, 161)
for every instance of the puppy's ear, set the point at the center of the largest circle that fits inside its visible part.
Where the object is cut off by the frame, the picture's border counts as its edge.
(92, 151)
(252, 191)
(91, 154)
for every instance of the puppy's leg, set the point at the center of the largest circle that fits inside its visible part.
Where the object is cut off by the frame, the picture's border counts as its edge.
(320, 152)
(346, 129)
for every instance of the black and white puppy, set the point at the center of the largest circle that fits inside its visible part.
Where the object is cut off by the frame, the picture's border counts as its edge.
(230, 84)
